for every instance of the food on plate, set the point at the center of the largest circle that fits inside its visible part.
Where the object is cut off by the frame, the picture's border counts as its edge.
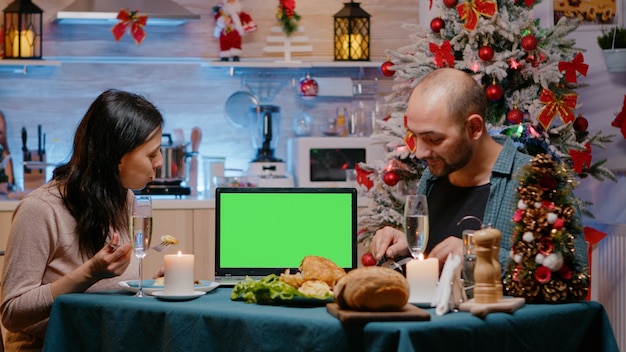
(314, 268)
(372, 288)
(315, 279)
(169, 239)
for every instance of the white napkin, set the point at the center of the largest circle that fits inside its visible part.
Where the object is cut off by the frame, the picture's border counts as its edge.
(450, 284)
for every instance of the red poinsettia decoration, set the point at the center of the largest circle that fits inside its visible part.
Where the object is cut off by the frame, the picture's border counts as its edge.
(570, 68)
(132, 19)
(287, 16)
(620, 119)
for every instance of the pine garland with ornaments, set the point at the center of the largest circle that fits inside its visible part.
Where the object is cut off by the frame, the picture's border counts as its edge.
(542, 259)
(530, 76)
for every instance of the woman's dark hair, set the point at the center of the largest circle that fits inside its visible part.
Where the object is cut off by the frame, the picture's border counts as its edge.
(116, 123)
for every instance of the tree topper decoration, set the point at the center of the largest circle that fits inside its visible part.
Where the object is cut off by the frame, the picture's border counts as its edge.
(287, 16)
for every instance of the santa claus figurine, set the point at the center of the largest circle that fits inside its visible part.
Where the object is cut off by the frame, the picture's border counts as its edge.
(231, 23)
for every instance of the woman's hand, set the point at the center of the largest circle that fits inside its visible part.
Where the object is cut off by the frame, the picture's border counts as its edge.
(449, 245)
(112, 260)
(389, 241)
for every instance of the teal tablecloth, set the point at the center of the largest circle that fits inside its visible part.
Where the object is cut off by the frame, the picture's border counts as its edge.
(120, 322)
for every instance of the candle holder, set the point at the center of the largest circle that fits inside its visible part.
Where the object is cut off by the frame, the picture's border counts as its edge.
(23, 30)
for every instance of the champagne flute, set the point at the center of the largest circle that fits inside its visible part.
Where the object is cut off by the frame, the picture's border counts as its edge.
(416, 223)
(141, 232)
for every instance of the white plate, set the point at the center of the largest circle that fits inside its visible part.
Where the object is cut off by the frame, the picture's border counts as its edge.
(149, 287)
(163, 296)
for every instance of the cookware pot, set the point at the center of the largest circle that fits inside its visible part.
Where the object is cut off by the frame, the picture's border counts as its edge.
(174, 167)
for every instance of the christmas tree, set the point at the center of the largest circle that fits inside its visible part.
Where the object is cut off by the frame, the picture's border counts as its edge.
(543, 265)
(530, 76)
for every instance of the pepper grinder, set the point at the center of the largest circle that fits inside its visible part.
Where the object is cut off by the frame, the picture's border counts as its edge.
(196, 137)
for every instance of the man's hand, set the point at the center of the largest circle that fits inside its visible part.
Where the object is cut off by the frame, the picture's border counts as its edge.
(451, 244)
(390, 242)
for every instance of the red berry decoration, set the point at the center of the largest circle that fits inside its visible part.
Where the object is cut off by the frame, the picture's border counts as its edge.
(368, 259)
(450, 3)
(385, 68)
(308, 86)
(391, 178)
(437, 24)
(515, 116)
(485, 53)
(581, 124)
(494, 92)
(529, 42)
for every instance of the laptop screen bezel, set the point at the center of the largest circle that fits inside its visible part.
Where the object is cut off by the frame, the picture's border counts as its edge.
(226, 272)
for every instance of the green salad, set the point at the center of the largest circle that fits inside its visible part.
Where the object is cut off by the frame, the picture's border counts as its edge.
(267, 289)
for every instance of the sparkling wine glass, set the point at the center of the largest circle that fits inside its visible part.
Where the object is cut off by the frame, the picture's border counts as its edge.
(416, 223)
(141, 232)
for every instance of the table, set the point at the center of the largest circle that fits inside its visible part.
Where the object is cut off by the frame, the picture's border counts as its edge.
(116, 321)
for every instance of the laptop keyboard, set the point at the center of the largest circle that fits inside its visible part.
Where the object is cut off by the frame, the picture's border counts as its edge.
(232, 280)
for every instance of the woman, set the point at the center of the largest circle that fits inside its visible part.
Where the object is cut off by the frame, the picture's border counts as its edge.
(64, 235)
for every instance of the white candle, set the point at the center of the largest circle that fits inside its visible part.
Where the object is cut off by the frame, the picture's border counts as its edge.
(422, 276)
(23, 45)
(179, 274)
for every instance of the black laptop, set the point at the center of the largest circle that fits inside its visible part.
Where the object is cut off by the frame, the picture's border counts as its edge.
(262, 231)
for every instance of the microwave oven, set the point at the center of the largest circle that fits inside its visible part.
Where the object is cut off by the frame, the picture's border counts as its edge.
(323, 161)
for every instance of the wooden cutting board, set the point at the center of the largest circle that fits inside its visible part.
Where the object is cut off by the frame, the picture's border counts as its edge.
(408, 313)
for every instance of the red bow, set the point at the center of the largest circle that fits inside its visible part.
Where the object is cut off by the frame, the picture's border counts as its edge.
(620, 119)
(564, 106)
(409, 137)
(136, 23)
(581, 158)
(570, 68)
(471, 10)
(443, 54)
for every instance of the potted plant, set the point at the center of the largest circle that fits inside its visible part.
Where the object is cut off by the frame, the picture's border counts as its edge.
(613, 45)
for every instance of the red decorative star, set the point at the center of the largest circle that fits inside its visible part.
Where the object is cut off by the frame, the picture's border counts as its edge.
(564, 106)
(471, 10)
(570, 68)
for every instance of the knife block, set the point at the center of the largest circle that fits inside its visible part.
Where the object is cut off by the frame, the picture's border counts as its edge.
(34, 171)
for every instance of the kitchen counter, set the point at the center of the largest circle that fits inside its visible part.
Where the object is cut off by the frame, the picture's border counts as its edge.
(158, 202)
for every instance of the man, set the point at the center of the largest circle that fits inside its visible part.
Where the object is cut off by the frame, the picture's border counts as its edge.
(231, 23)
(469, 172)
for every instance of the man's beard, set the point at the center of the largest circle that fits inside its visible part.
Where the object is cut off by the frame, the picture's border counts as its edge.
(461, 155)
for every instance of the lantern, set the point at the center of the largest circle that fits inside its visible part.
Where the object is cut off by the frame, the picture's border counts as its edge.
(22, 30)
(352, 33)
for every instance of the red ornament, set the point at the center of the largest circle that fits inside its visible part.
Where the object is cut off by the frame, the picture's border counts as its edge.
(368, 259)
(515, 116)
(437, 24)
(450, 3)
(308, 86)
(529, 42)
(385, 68)
(494, 92)
(391, 178)
(581, 124)
(485, 53)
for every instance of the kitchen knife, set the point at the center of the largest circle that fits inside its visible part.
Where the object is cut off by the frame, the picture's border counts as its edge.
(24, 145)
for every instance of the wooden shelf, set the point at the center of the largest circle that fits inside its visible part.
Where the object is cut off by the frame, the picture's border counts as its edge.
(34, 62)
(252, 63)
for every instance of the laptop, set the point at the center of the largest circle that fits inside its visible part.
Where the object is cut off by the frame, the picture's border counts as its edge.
(262, 231)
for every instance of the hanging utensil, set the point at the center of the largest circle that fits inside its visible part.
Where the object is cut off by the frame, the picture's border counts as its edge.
(237, 108)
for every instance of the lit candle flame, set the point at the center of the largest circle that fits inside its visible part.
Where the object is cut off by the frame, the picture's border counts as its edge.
(180, 254)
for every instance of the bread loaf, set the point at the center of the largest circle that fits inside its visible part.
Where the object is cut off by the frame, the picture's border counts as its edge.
(372, 288)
